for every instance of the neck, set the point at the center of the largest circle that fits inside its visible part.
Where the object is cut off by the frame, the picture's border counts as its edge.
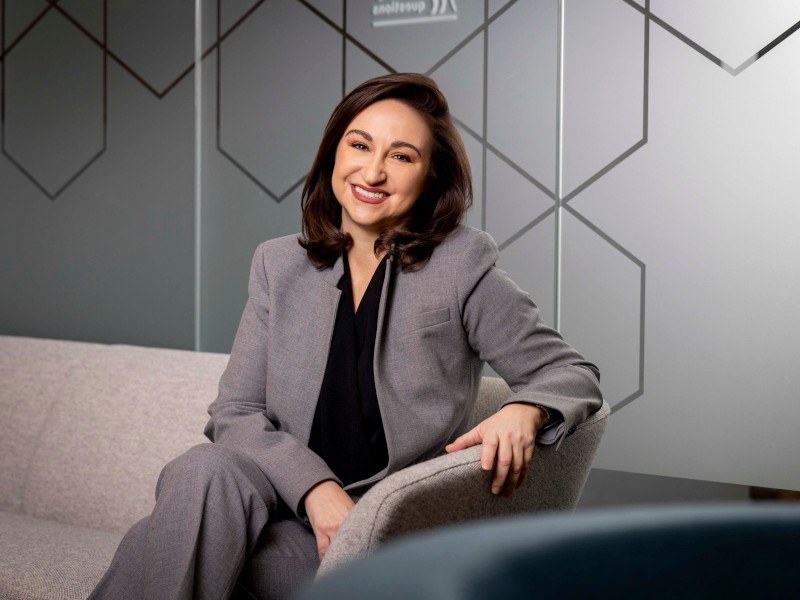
(363, 249)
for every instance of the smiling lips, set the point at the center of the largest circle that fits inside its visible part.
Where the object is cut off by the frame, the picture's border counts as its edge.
(371, 195)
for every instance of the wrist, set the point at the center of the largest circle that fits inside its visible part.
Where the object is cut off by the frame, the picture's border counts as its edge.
(546, 415)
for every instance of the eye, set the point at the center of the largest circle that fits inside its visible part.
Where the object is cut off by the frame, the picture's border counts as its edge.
(359, 146)
(402, 157)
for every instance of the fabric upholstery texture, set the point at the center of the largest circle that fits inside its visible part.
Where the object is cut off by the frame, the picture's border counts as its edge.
(453, 487)
(42, 559)
(85, 430)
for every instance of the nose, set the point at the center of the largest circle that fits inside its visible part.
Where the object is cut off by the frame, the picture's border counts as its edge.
(373, 171)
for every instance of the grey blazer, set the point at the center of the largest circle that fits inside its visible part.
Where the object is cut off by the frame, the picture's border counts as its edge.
(436, 327)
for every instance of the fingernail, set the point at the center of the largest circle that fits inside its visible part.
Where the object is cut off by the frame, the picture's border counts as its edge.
(495, 490)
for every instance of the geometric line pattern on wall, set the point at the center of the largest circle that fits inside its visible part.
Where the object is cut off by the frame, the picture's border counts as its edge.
(605, 88)
(52, 192)
(486, 145)
(618, 404)
(563, 203)
(732, 70)
(55, 5)
(254, 59)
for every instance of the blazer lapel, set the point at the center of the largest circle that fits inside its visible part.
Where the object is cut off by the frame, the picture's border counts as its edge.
(306, 331)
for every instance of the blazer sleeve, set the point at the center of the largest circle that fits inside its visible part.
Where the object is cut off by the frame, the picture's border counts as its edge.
(504, 328)
(238, 415)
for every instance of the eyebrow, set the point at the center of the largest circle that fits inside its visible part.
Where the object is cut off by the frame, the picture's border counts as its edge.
(395, 144)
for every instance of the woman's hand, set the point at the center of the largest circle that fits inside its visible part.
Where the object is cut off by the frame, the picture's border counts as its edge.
(327, 505)
(508, 437)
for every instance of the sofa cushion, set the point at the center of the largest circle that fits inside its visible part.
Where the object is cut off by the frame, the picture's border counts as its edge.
(88, 435)
(43, 560)
(32, 373)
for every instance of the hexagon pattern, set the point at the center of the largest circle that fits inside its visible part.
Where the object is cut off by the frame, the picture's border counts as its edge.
(603, 86)
(732, 30)
(601, 309)
(155, 38)
(503, 88)
(89, 13)
(52, 142)
(277, 152)
(19, 15)
(522, 88)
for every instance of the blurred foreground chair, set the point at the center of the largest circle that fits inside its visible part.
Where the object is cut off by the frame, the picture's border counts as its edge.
(712, 551)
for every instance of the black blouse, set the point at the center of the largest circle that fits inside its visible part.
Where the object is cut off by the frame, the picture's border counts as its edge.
(347, 431)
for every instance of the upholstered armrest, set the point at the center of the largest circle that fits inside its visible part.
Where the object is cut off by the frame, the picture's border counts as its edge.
(453, 488)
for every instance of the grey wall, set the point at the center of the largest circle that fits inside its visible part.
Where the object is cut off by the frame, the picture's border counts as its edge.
(634, 160)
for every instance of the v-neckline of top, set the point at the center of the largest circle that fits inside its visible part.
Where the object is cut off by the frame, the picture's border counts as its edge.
(346, 277)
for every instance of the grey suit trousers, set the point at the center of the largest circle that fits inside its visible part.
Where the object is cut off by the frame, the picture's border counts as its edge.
(218, 530)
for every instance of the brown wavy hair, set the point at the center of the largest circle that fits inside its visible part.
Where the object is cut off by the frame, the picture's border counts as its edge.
(447, 192)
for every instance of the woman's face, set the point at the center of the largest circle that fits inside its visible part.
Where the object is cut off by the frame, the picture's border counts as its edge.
(381, 165)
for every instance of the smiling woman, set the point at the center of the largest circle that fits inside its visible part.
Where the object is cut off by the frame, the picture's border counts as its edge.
(394, 118)
(381, 167)
(360, 352)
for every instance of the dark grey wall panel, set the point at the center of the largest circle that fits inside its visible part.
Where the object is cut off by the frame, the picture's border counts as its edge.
(109, 259)
(54, 103)
(155, 39)
(272, 113)
(19, 15)
(333, 9)
(96, 186)
(88, 13)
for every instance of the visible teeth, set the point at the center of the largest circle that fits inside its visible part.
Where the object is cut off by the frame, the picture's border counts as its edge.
(364, 192)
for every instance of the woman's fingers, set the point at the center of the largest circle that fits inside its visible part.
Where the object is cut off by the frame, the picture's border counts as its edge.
(515, 472)
(471, 438)
(323, 541)
(527, 457)
(505, 456)
(489, 452)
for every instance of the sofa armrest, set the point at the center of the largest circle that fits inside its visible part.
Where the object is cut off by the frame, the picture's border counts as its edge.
(453, 488)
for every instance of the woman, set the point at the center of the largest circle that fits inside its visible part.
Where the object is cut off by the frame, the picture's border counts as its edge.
(359, 352)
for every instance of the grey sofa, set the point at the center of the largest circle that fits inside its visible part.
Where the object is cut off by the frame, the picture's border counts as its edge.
(80, 456)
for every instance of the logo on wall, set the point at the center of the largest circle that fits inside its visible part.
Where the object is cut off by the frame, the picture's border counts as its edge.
(391, 13)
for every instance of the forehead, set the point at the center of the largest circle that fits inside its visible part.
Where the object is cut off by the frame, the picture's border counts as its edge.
(393, 120)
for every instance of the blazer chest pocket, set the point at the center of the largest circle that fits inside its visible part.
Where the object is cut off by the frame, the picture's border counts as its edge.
(429, 319)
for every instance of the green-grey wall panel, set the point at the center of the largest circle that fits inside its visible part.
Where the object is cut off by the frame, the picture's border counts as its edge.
(52, 140)
(272, 113)
(106, 255)
(155, 39)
